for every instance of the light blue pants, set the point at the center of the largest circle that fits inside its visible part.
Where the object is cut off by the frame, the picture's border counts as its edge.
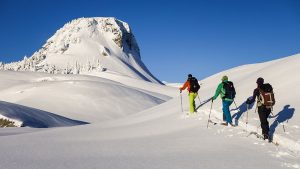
(226, 111)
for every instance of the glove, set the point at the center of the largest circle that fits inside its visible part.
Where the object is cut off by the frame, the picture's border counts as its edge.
(212, 99)
(248, 101)
(180, 90)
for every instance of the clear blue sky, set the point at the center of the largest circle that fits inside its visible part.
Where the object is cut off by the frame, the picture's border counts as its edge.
(175, 37)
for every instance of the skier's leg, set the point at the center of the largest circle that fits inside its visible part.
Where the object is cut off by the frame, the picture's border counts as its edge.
(268, 112)
(263, 120)
(194, 103)
(191, 102)
(226, 111)
(223, 108)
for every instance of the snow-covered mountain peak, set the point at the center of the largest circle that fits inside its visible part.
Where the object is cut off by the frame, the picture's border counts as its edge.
(94, 28)
(85, 45)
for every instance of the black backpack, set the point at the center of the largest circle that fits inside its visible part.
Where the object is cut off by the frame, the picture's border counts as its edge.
(229, 90)
(194, 85)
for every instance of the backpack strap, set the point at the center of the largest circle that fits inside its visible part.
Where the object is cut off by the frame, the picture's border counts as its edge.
(259, 98)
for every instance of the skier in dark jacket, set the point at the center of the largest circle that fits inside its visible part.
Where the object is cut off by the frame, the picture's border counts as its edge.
(263, 111)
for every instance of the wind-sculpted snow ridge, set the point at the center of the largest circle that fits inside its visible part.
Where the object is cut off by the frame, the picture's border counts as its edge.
(88, 98)
(87, 45)
(30, 117)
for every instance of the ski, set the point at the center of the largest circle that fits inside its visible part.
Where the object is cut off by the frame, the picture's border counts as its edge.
(223, 124)
(214, 123)
(262, 137)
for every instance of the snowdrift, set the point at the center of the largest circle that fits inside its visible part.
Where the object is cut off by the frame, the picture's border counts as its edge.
(86, 98)
(29, 117)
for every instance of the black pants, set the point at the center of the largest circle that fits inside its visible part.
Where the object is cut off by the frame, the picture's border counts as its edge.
(264, 113)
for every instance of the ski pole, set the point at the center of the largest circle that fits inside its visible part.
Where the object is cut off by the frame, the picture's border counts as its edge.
(247, 117)
(199, 99)
(235, 104)
(209, 112)
(256, 108)
(198, 95)
(181, 102)
(272, 111)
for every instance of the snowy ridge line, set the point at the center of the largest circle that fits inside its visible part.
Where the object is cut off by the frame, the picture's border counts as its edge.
(282, 141)
(17, 123)
(176, 85)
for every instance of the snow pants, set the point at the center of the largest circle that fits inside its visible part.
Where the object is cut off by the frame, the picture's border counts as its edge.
(264, 113)
(226, 111)
(192, 97)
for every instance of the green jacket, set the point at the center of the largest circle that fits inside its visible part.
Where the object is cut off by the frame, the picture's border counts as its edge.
(220, 91)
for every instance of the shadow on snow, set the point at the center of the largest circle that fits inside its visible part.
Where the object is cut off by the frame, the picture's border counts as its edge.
(241, 110)
(31, 117)
(281, 117)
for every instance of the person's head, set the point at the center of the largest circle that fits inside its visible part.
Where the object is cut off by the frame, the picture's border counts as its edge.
(190, 76)
(224, 78)
(260, 81)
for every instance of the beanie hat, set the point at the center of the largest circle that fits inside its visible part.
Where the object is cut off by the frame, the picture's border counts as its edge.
(224, 78)
(260, 81)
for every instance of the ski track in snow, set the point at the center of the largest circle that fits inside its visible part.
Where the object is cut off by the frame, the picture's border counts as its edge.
(278, 152)
(281, 152)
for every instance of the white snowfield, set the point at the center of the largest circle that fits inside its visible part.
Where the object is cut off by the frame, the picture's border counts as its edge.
(137, 124)
(86, 98)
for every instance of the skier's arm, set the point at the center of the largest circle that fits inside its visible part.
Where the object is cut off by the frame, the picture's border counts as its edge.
(184, 86)
(255, 94)
(218, 91)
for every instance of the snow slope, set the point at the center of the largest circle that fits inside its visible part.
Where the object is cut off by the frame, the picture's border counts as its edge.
(26, 116)
(85, 98)
(158, 136)
(282, 75)
(88, 45)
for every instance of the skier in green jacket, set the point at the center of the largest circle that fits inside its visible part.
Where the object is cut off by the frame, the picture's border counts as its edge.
(227, 92)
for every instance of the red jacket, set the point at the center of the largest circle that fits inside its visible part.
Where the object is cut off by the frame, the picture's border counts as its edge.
(186, 85)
